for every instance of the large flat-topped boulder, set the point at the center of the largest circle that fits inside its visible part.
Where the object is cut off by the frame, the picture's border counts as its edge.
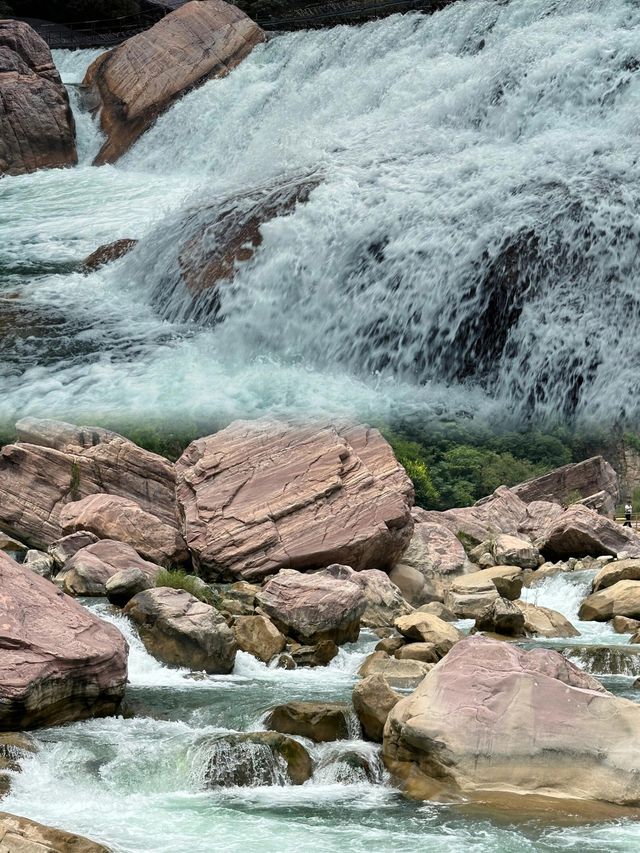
(260, 496)
(59, 662)
(115, 517)
(38, 479)
(132, 85)
(491, 717)
(577, 481)
(37, 130)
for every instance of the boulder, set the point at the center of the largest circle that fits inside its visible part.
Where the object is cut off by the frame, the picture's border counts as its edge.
(319, 654)
(501, 512)
(576, 481)
(37, 130)
(123, 519)
(425, 652)
(254, 759)
(318, 721)
(21, 835)
(12, 547)
(427, 628)
(87, 572)
(40, 563)
(349, 767)
(621, 599)
(373, 699)
(263, 495)
(107, 254)
(59, 662)
(581, 532)
(390, 645)
(314, 607)
(405, 674)
(66, 547)
(501, 617)
(130, 86)
(55, 463)
(432, 559)
(121, 587)
(619, 570)
(624, 625)
(545, 622)
(508, 550)
(180, 630)
(471, 594)
(258, 636)
(491, 717)
(438, 609)
(384, 601)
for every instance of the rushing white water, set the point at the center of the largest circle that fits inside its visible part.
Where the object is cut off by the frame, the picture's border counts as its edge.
(473, 242)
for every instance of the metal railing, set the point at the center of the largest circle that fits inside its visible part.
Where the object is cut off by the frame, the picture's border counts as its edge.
(98, 33)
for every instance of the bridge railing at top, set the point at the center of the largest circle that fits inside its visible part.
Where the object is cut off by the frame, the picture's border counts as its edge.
(97, 33)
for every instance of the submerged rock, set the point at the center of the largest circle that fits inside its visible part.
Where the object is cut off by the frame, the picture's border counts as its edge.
(59, 662)
(255, 759)
(130, 86)
(21, 835)
(373, 700)
(37, 130)
(491, 717)
(180, 630)
(107, 254)
(264, 495)
(318, 721)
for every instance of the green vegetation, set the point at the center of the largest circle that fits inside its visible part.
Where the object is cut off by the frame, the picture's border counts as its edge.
(74, 485)
(190, 583)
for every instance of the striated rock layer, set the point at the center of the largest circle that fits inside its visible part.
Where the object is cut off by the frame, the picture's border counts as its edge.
(59, 662)
(136, 82)
(37, 130)
(261, 496)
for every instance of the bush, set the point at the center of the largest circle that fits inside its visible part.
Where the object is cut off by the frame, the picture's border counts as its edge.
(190, 583)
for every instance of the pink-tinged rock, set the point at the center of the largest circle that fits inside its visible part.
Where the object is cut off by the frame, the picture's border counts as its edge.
(314, 607)
(69, 463)
(59, 662)
(260, 496)
(37, 130)
(136, 82)
(384, 601)
(87, 572)
(63, 549)
(501, 512)
(581, 532)
(114, 517)
(180, 630)
(592, 480)
(491, 717)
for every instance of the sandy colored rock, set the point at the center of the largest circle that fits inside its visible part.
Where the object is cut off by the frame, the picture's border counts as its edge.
(21, 835)
(59, 662)
(404, 674)
(37, 130)
(468, 596)
(619, 570)
(123, 519)
(621, 599)
(493, 717)
(180, 630)
(318, 721)
(501, 617)
(264, 495)
(121, 587)
(432, 559)
(578, 480)
(624, 625)
(425, 652)
(373, 699)
(581, 532)
(314, 607)
(545, 622)
(69, 463)
(258, 636)
(427, 628)
(508, 550)
(129, 87)
(436, 608)
(319, 654)
(90, 568)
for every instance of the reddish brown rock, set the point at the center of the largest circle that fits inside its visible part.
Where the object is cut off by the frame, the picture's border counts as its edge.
(107, 254)
(55, 463)
(264, 495)
(577, 481)
(59, 662)
(182, 631)
(314, 607)
(114, 517)
(491, 717)
(37, 130)
(87, 572)
(129, 87)
(581, 532)
(384, 601)
(63, 549)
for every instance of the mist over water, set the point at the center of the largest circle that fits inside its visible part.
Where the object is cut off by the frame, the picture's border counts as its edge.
(472, 246)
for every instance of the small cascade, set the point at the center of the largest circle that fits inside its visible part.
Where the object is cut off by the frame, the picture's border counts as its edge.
(243, 764)
(351, 762)
(605, 660)
(72, 65)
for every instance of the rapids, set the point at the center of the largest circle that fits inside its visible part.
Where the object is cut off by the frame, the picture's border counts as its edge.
(472, 246)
